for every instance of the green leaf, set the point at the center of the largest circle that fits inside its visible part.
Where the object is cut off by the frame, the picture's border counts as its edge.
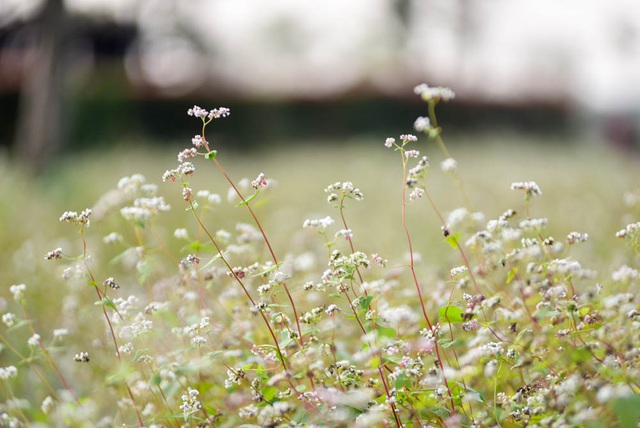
(249, 199)
(365, 302)
(269, 392)
(106, 302)
(473, 394)
(264, 272)
(451, 314)
(579, 355)
(512, 274)
(453, 240)
(386, 331)
(286, 337)
(400, 380)
(156, 379)
(628, 410)
(211, 155)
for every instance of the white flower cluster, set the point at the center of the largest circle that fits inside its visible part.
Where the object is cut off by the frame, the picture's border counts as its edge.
(530, 188)
(428, 93)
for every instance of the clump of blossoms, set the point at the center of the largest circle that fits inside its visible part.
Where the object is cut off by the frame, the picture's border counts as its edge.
(340, 191)
(219, 330)
(530, 188)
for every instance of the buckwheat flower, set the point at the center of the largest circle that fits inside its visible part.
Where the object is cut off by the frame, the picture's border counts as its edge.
(74, 218)
(493, 348)
(376, 259)
(8, 372)
(529, 187)
(449, 165)
(18, 291)
(127, 348)
(197, 112)
(411, 154)
(219, 112)
(55, 254)
(153, 205)
(149, 189)
(47, 405)
(9, 319)
(135, 214)
(112, 238)
(533, 223)
(331, 309)
(234, 377)
(344, 233)
(197, 141)
(280, 277)
(470, 325)
(416, 194)
(186, 168)
(332, 198)
(408, 137)
(421, 124)
(457, 216)
(190, 401)
(198, 341)
(170, 175)
(389, 142)
(575, 237)
(608, 392)
(433, 93)
(625, 274)
(59, 333)
(131, 185)
(260, 182)
(34, 340)
(629, 230)
(319, 224)
(490, 369)
(181, 233)
(457, 271)
(110, 282)
(264, 289)
(187, 153)
(187, 194)
(397, 315)
(190, 260)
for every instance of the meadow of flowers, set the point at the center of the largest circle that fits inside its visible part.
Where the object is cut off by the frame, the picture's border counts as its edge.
(183, 303)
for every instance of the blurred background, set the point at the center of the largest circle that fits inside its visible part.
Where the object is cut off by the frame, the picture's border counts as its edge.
(78, 74)
(93, 90)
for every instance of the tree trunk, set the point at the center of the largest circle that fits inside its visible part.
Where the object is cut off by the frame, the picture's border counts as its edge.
(41, 120)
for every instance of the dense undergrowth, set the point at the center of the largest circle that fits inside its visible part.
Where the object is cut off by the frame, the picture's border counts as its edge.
(388, 299)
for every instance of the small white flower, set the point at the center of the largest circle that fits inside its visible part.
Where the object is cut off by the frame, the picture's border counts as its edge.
(18, 291)
(34, 340)
(344, 233)
(449, 164)
(60, 333)
(9, 319)
(47, 405)
(8, 372)
(112, 238)
(181, 233)
(530, 188)
(421, 124)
